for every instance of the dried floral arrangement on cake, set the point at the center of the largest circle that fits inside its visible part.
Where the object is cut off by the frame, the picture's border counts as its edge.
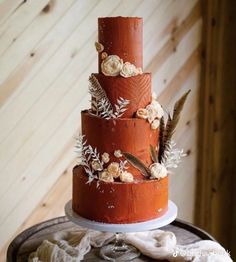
(165, 155)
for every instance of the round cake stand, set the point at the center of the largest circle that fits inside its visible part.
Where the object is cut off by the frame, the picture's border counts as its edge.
(119, 251)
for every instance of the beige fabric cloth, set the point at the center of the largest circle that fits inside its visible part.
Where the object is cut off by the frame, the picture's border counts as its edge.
(69, 246)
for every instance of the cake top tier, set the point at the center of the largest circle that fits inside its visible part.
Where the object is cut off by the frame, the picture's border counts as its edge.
(122, 36)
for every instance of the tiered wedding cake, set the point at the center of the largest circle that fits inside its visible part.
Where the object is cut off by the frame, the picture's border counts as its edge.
(125, 147)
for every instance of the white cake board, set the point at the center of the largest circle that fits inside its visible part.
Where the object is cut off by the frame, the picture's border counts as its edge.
(164, 220)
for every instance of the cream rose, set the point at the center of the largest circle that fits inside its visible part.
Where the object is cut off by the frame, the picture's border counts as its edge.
(105, 157)
(112, 65)
(142, 113)
(152, 113)
(158, 171)
(128, 70)
(99, 47)
(114, 169)
(96, 165)
(158, 108)
(104, 55)
(139, 71)
(155, 124)
(105, 176)
(126, 177)
(117, 153)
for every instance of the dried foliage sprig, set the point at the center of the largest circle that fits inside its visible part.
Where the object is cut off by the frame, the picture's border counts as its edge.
(101, 105)
(98, 94)
(137, 163)
(170, 127)
(87, 154)
(172, 157)
(123, 165)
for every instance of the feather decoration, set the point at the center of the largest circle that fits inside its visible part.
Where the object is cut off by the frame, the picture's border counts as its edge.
(161, 138)
(172, 122)
(101, 105)
(98, 94)
(137, 163)
(153, 153)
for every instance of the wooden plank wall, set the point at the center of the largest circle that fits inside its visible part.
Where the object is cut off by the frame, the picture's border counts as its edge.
(46, 55)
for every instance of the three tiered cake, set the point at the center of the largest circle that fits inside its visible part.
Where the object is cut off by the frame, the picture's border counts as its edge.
(125, 148)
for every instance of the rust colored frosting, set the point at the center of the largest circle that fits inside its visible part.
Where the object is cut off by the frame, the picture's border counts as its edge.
(122, 36)
(117, 202)
(137, 89)
(131, 135)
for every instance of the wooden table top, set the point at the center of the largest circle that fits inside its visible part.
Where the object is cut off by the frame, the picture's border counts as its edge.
(30, 239)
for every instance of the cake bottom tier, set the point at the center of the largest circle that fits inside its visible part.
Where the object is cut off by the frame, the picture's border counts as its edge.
(117, 202)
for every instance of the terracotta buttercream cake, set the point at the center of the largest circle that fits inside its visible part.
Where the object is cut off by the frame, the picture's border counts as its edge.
(126, 149)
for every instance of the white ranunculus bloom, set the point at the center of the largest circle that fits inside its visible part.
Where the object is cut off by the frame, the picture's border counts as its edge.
(117, 153)
(96, 165)
(114, 169)
(158, 171)
(126, 177)
(112, 65)
(105, 157)
(105, 176)
(158, 108)
(142, 113)
(128, 70)
(155, 124)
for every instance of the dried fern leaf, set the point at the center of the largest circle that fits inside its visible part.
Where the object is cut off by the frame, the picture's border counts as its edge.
(161, 139)
(137, 163)
(153, 153)
(98, 94)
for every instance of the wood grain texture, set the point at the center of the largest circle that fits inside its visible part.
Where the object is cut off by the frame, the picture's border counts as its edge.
(216, 186)
(46, 56)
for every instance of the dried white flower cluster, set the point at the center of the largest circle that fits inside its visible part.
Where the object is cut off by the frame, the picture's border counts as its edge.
(158, 171)
(113, 171)
(94, 164)
(172, 157)
(113, 65)
(152, 113)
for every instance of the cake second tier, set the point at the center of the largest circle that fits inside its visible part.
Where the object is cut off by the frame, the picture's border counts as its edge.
(136, 89)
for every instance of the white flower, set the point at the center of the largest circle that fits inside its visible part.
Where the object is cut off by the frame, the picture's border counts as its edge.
(158, 108)
(99, 47)
(158, 171)
(155, 124)
(112, 65)
(128, 70)
(104, 55)
(152, 113)
(126, 177)
(105, 176)
(117, 153)
(154, 95)
(105, 157)
(96, 165)
(142, 113)
(139, 71)
(114, 169)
